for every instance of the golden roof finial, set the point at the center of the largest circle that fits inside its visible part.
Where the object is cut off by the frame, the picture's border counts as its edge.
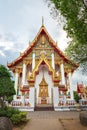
(42, 21)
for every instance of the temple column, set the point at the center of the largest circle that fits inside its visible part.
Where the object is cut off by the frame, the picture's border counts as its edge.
(24, 73)
(33, 61)
(16, 83)
(64, 98)
(23, 100)
(71, 89)
(52, 97)
(19, 92)
(53, 65)
(55, 97)
(62, 73)
(32, 98)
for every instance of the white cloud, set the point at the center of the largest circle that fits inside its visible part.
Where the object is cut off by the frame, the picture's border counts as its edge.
(6, 45)
(13, 46)
(78, 77)
(2, 53)
(62, 40)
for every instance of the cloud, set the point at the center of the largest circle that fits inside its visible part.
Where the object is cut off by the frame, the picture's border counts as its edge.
(24, 24)
(2, 53)
(11, 46)
(78, 77)
(6, 45)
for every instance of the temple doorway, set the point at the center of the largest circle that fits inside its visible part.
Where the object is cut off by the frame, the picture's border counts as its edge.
(43, 88)
(43, 91)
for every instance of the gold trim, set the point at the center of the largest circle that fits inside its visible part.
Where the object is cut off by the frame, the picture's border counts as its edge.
(31, 84)
(43, 58)
(56, 84)
(18, 70)
(43, 88)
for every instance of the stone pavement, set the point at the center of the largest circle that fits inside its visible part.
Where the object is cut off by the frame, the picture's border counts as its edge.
(52, 114)
(51, 120)
(44, 124)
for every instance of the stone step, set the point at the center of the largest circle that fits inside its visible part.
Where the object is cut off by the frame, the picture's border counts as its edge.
(44, 108)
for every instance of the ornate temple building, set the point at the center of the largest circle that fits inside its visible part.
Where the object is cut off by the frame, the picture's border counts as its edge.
(42, 74)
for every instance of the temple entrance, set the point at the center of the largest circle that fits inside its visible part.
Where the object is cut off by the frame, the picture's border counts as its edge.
(43, 91)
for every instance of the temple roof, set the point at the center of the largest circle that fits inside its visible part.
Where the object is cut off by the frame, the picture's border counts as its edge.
(33, 43)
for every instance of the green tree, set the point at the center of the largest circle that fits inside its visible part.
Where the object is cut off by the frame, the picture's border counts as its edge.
(75, 15)
(76, 96)
(6, 85)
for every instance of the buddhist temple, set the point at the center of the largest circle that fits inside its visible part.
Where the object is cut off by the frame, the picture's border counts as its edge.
(42, 74)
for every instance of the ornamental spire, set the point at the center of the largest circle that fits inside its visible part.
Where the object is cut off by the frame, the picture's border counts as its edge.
(42, 21)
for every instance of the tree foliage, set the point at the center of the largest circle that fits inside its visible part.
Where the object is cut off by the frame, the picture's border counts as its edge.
(76, 96)
(75, 13)
(6, 85)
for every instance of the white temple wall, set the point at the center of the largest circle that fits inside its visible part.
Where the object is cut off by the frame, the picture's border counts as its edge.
(55, 96)
(71, 87)
(32, 97)
(48, 79)
(16, 85)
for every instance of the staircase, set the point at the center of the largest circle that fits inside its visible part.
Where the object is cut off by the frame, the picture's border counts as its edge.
(43, 107)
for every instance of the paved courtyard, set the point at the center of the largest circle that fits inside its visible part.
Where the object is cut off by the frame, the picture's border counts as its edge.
(52, 114)
(51, 120)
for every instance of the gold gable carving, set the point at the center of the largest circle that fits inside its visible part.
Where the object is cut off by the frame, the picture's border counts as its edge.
(43, 58)
(43, 88)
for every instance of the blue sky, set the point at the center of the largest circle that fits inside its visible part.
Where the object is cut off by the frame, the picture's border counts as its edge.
(20, 21)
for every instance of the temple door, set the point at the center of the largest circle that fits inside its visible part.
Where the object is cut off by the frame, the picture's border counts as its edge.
(43, 91)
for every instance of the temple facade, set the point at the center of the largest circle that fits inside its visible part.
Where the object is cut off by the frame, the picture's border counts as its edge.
(42, 75)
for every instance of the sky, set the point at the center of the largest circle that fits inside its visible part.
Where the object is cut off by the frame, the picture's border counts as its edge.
(20, 21)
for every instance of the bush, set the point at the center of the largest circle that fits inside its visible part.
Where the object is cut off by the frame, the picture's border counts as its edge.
(3, 113)
(8, 112)
(11, 111)
(15, 115)
(15, 119)
(19, 118)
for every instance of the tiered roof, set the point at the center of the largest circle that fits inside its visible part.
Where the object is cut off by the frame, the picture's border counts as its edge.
(33, 43)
